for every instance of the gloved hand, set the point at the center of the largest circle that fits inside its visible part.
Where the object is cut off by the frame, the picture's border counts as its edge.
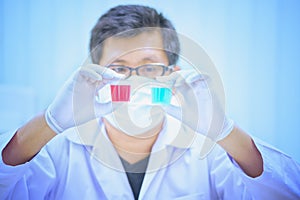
(200, 108)
(75, 102)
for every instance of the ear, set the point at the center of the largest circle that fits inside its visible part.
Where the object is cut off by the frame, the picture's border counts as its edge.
(176, 68)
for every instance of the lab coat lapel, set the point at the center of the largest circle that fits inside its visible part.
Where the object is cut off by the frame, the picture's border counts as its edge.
(157, 167)
(173, 141)
(109, 170)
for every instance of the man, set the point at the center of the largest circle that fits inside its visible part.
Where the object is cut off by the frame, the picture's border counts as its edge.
(94, 155)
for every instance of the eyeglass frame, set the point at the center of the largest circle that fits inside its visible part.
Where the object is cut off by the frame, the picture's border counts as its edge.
(165, 68)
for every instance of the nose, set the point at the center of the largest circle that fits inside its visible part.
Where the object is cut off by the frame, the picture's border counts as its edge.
(133, 72)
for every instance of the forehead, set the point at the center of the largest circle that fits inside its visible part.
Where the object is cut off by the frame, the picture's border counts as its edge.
(145, 44)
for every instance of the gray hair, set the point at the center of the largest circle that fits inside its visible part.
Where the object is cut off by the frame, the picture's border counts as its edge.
(120, 20)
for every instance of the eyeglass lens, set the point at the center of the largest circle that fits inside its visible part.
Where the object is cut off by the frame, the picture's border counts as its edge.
(150, 71)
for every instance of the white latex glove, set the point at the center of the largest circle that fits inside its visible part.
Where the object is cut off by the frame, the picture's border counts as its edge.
(75, 102)
(200, 108)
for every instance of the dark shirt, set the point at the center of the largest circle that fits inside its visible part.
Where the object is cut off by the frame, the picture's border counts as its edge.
(135, 173)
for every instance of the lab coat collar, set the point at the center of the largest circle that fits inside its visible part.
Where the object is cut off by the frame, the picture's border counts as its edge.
(173, 134)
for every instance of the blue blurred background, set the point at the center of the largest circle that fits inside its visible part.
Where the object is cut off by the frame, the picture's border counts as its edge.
(254, 44)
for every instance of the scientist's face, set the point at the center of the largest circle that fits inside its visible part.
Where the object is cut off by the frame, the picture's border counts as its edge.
(133, 52)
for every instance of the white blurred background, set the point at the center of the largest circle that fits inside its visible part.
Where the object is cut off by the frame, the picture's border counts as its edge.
(254, 44)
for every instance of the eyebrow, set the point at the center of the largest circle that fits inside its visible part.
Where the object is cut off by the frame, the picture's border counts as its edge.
(118, 61)
(150, 58)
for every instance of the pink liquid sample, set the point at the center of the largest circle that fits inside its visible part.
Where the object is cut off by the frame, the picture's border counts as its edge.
(120, 93)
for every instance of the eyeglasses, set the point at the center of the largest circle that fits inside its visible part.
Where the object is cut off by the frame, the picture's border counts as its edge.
(150, 70)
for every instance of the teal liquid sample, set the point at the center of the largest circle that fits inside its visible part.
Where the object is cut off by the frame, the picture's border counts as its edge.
(161, 95)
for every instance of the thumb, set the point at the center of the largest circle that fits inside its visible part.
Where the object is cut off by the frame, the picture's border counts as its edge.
(102, 109)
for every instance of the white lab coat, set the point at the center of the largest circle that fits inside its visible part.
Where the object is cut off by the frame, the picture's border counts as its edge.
(71, 166)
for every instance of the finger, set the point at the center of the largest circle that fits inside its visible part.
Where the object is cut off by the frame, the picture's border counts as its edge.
(195, 77)
(95, 73)
(190, 77)
(110, 74)
(90, 74)
(168, 80)
(105, 72)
